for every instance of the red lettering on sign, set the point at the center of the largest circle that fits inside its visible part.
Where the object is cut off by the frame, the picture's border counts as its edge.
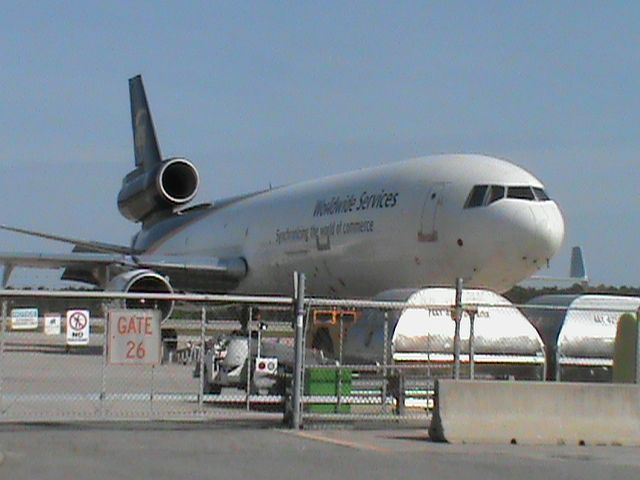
(122, 325)
(147, 326)
(135, 325)
(135, 351)
(132, 325)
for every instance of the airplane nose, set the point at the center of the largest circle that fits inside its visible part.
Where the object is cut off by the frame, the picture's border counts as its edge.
(539, 230)
(552, 229)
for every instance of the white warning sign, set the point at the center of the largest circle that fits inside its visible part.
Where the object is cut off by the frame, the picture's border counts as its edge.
(52, 324)
(134, 337)
(77, 327)
(24, 319)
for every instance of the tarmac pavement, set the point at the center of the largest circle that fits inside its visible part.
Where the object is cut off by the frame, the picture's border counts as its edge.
(230, 450)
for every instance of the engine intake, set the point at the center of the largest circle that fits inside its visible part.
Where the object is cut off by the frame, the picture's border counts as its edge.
(169, 184)
(144, 281)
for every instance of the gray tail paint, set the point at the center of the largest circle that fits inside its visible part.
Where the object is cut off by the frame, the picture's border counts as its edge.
(145, 143)
(577, 269)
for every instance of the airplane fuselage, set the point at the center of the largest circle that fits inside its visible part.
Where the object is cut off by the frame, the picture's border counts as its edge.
(401, 225)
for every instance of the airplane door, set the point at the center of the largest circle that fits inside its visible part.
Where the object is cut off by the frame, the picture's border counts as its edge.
(433, 202)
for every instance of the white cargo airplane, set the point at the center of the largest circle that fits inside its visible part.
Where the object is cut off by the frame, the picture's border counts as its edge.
(420, 222)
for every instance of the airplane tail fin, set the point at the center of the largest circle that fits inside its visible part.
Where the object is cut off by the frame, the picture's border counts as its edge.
(145, 143)
(155, 188)
(577, 269)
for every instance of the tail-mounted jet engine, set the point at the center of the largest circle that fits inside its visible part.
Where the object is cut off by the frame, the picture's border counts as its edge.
(167, 185)
(143, 281)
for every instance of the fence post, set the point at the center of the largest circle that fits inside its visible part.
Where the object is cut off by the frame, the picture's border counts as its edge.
(456, 337)
(430, 386)
(340, 370)
(638, 346)
(103, 367)
(203, 321)
(385, 354)
(249, 356)
(297, 368)
(3, 326)
(472, 342)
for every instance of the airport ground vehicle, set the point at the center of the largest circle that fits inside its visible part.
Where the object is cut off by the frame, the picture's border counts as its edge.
(229, 358)
(228, 361)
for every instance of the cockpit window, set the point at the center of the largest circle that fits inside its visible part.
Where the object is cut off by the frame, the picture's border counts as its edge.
(495, 194)
(476, 196)
(523, 193)
(483, 195)
(541, 195)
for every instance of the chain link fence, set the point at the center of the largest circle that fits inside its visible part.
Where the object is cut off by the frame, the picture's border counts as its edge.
(45, 375)
(225, 357)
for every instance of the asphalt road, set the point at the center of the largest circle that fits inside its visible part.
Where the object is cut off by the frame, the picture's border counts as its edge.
(250, 450)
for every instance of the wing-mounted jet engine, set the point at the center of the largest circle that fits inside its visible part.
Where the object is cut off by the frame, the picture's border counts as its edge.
(156, 187)
(143, 281)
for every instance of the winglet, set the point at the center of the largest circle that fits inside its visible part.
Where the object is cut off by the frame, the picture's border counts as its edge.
(577, 269)
(145, 143)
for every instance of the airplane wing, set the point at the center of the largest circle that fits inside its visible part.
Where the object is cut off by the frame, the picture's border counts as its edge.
(60, 260)
(87, 244)
(81, 266)
(228, 268)
(57, 260)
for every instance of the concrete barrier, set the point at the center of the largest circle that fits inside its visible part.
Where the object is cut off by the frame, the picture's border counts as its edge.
(536, 413)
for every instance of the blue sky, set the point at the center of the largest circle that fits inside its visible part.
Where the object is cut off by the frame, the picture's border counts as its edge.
(277, 92)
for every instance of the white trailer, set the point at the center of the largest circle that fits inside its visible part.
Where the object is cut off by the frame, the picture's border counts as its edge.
(505, 343)
(579, 332)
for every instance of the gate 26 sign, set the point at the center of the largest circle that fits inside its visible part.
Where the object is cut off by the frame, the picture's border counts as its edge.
(134, 337)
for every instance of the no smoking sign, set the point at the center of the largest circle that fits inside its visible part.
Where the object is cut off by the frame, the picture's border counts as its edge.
(78, 327)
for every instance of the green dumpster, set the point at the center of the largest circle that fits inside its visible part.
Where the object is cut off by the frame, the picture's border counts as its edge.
(327, 382)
